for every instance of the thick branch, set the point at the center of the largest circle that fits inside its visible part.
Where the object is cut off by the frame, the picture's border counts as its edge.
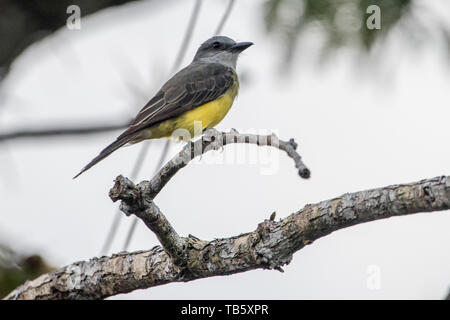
(101, 277)
(270, 246)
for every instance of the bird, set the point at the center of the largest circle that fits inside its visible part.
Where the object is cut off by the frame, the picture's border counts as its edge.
(201, 94)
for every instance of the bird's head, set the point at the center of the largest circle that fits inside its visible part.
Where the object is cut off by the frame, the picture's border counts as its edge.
(221, 49)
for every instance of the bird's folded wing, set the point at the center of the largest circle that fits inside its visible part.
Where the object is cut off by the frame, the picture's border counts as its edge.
(191, 87)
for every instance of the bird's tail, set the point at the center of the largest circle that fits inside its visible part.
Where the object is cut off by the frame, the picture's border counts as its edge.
(107, 151)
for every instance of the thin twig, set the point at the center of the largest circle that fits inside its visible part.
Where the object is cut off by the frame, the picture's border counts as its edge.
(111, 233)
(213, 140)
(187, 35)
(58, 132)
(224, 17)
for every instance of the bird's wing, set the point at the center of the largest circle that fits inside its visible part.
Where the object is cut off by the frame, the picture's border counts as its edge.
(191, 87)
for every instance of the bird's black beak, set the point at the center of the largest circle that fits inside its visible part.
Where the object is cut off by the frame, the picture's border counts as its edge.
(240, 46)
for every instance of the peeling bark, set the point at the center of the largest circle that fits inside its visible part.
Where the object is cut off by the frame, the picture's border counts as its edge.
(270, 246)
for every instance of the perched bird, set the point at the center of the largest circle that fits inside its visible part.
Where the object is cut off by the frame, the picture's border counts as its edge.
(201, 93)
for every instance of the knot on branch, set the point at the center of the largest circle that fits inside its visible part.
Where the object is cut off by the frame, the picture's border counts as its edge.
(130, 195)
(304, 173)
(264, 228)
(194, 258)
(269, 233)
(123, 189)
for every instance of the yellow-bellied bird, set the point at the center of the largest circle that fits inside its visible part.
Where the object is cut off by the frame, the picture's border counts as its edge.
(202, 92)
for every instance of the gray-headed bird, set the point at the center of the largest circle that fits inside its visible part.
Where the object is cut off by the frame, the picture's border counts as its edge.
(201, 93)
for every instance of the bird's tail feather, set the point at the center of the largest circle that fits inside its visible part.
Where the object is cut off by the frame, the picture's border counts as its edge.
(107, 151)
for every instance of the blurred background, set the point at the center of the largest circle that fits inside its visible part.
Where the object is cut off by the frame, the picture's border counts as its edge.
(368, 108)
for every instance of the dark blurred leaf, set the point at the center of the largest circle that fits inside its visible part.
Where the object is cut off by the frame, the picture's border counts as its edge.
(15, 270)
(343, 22)
(23, 22)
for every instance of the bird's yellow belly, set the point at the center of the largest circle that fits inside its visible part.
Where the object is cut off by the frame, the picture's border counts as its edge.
(195, 120)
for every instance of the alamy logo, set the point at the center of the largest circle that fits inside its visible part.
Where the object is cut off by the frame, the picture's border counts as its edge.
(73, 22)
(374, 277)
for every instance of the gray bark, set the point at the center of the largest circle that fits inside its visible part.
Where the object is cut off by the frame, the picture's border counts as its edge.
(270, 246)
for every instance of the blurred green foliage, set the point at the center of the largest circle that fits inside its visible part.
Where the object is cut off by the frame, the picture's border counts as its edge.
(343, 22)
(325, 12)
(15, 270)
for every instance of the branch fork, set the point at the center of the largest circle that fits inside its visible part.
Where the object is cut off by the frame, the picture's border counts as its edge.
(270, 246)
(138, 199)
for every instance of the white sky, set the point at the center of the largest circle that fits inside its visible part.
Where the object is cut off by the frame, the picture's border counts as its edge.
(356, 130)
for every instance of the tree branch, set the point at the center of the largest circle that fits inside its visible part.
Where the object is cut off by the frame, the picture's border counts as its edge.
(138, 200)
(135, 202)
(57, 132)
(213, 140)
(270, 246)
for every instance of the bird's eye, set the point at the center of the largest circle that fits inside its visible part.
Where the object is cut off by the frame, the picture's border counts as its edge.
(215, 44)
